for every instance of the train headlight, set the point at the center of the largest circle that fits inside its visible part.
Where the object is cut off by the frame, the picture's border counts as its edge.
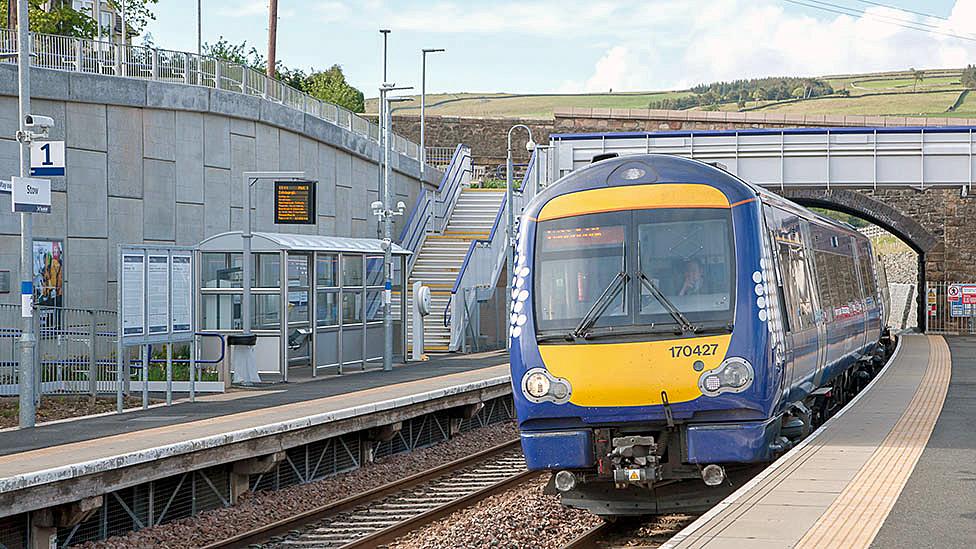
(734, 375)
(538, 385)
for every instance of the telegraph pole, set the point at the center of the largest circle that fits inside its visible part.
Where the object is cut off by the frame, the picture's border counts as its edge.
(28, 340)
(272, 35)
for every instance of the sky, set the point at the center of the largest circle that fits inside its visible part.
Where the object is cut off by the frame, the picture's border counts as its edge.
(573, 46)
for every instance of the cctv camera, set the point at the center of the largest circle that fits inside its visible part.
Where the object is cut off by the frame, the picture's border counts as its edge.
(530, 145)
(401, 206)
(38, 121)
(376, 205)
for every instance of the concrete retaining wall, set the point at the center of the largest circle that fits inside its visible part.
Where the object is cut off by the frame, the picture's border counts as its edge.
(161, 163)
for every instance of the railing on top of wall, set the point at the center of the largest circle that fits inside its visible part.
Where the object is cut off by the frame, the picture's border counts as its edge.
(432, 208)
(485, 258)
(68, 53)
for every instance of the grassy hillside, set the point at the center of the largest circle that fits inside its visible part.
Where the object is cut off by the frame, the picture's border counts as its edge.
(892, 93)
(524, 106)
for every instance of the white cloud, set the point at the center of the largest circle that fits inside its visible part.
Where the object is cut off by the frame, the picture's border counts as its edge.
(740, 38)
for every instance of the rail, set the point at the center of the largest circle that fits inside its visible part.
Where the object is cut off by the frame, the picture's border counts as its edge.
(83, 55)
(263, 533)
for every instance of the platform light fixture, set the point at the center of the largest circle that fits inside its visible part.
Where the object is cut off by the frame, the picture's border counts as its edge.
(423, 103)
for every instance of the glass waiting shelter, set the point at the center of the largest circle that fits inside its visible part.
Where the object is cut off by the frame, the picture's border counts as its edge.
(331, 297)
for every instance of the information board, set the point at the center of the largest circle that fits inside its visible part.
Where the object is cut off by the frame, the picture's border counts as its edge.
(158, 294)
(182, 292)
(294, 203)
(133, 294)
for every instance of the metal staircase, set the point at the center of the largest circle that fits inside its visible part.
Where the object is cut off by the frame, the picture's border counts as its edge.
(441, 257)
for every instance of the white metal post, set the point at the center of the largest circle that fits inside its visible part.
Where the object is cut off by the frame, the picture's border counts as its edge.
(423, 105)
(28, 340)
(387, 244)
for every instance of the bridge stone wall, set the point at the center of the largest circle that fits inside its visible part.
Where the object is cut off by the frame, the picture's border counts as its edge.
(162, 163)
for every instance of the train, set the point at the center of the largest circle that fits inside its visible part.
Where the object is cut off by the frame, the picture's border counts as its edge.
(673, 327)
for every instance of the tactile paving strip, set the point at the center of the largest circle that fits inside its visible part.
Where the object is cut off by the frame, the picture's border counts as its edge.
(856, 516)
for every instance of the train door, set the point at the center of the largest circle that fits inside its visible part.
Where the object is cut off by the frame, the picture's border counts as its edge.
(819, 304)
(796, 294)
(861, 340)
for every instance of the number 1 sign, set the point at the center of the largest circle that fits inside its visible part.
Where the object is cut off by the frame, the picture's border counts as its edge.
(47, 158)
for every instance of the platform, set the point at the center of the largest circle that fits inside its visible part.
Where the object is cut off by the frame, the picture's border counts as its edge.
(893, 469)
(70, 460)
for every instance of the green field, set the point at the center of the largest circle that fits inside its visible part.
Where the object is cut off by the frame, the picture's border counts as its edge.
(887, 93)
(503, 105)
(906, 104)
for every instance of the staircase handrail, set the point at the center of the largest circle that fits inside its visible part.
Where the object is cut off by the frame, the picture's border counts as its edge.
(414, 231)
(496, 240)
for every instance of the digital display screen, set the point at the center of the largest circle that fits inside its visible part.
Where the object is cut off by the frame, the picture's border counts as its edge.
(294, 203)
(583, 237)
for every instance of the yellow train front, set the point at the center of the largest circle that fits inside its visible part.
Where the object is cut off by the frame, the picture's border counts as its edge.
(671, 322)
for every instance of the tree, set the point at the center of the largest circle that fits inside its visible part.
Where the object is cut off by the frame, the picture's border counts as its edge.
(917, 76)
(968, 78)
(58, 18)
(331, 86)
(235, 53)
(137, 13)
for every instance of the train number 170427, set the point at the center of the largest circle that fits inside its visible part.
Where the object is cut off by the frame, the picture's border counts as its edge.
(707, 349)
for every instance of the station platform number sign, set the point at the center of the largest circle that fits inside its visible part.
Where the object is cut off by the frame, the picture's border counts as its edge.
(962, 299)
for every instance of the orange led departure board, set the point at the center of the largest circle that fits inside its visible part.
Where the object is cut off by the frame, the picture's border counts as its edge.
(294, 202)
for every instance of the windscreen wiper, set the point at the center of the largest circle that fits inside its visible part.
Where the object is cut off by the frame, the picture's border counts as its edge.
(679, 317)
(600, 305)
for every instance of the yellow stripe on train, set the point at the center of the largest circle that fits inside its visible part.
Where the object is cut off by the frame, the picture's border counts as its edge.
(636, 197)
(634, 374)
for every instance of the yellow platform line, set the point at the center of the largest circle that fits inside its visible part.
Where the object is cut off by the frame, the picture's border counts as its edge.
(856, 516)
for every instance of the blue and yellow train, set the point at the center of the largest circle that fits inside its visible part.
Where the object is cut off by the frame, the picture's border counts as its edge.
(673, 325)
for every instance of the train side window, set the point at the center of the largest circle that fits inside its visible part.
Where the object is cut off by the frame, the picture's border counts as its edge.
(825, 270)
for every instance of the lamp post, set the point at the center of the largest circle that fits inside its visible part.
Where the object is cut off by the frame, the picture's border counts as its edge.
(382, 210)
(28, 340)
(510, 205)
(381, 115)
(423, 103)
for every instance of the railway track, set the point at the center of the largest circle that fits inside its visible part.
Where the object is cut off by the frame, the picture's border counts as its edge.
(381, 515)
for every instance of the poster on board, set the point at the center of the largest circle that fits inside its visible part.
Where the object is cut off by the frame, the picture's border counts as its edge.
(182, 292)
(133, 294)
(48, 267)
(157, 287)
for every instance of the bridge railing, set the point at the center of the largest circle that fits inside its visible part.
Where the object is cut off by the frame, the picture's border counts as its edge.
(66, 53)
(486, 258)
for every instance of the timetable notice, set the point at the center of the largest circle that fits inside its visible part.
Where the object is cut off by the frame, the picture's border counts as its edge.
(294, 203)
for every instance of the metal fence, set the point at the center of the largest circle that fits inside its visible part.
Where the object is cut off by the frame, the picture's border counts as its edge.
(950, 308)
(440, 156)
(67, 53)
(76, 351)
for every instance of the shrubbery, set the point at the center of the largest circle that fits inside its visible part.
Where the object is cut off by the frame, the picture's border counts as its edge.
(753, 89)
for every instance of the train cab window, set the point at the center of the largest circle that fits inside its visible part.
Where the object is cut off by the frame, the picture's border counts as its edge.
(686, 254)
(619, 273)
(581, 261)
